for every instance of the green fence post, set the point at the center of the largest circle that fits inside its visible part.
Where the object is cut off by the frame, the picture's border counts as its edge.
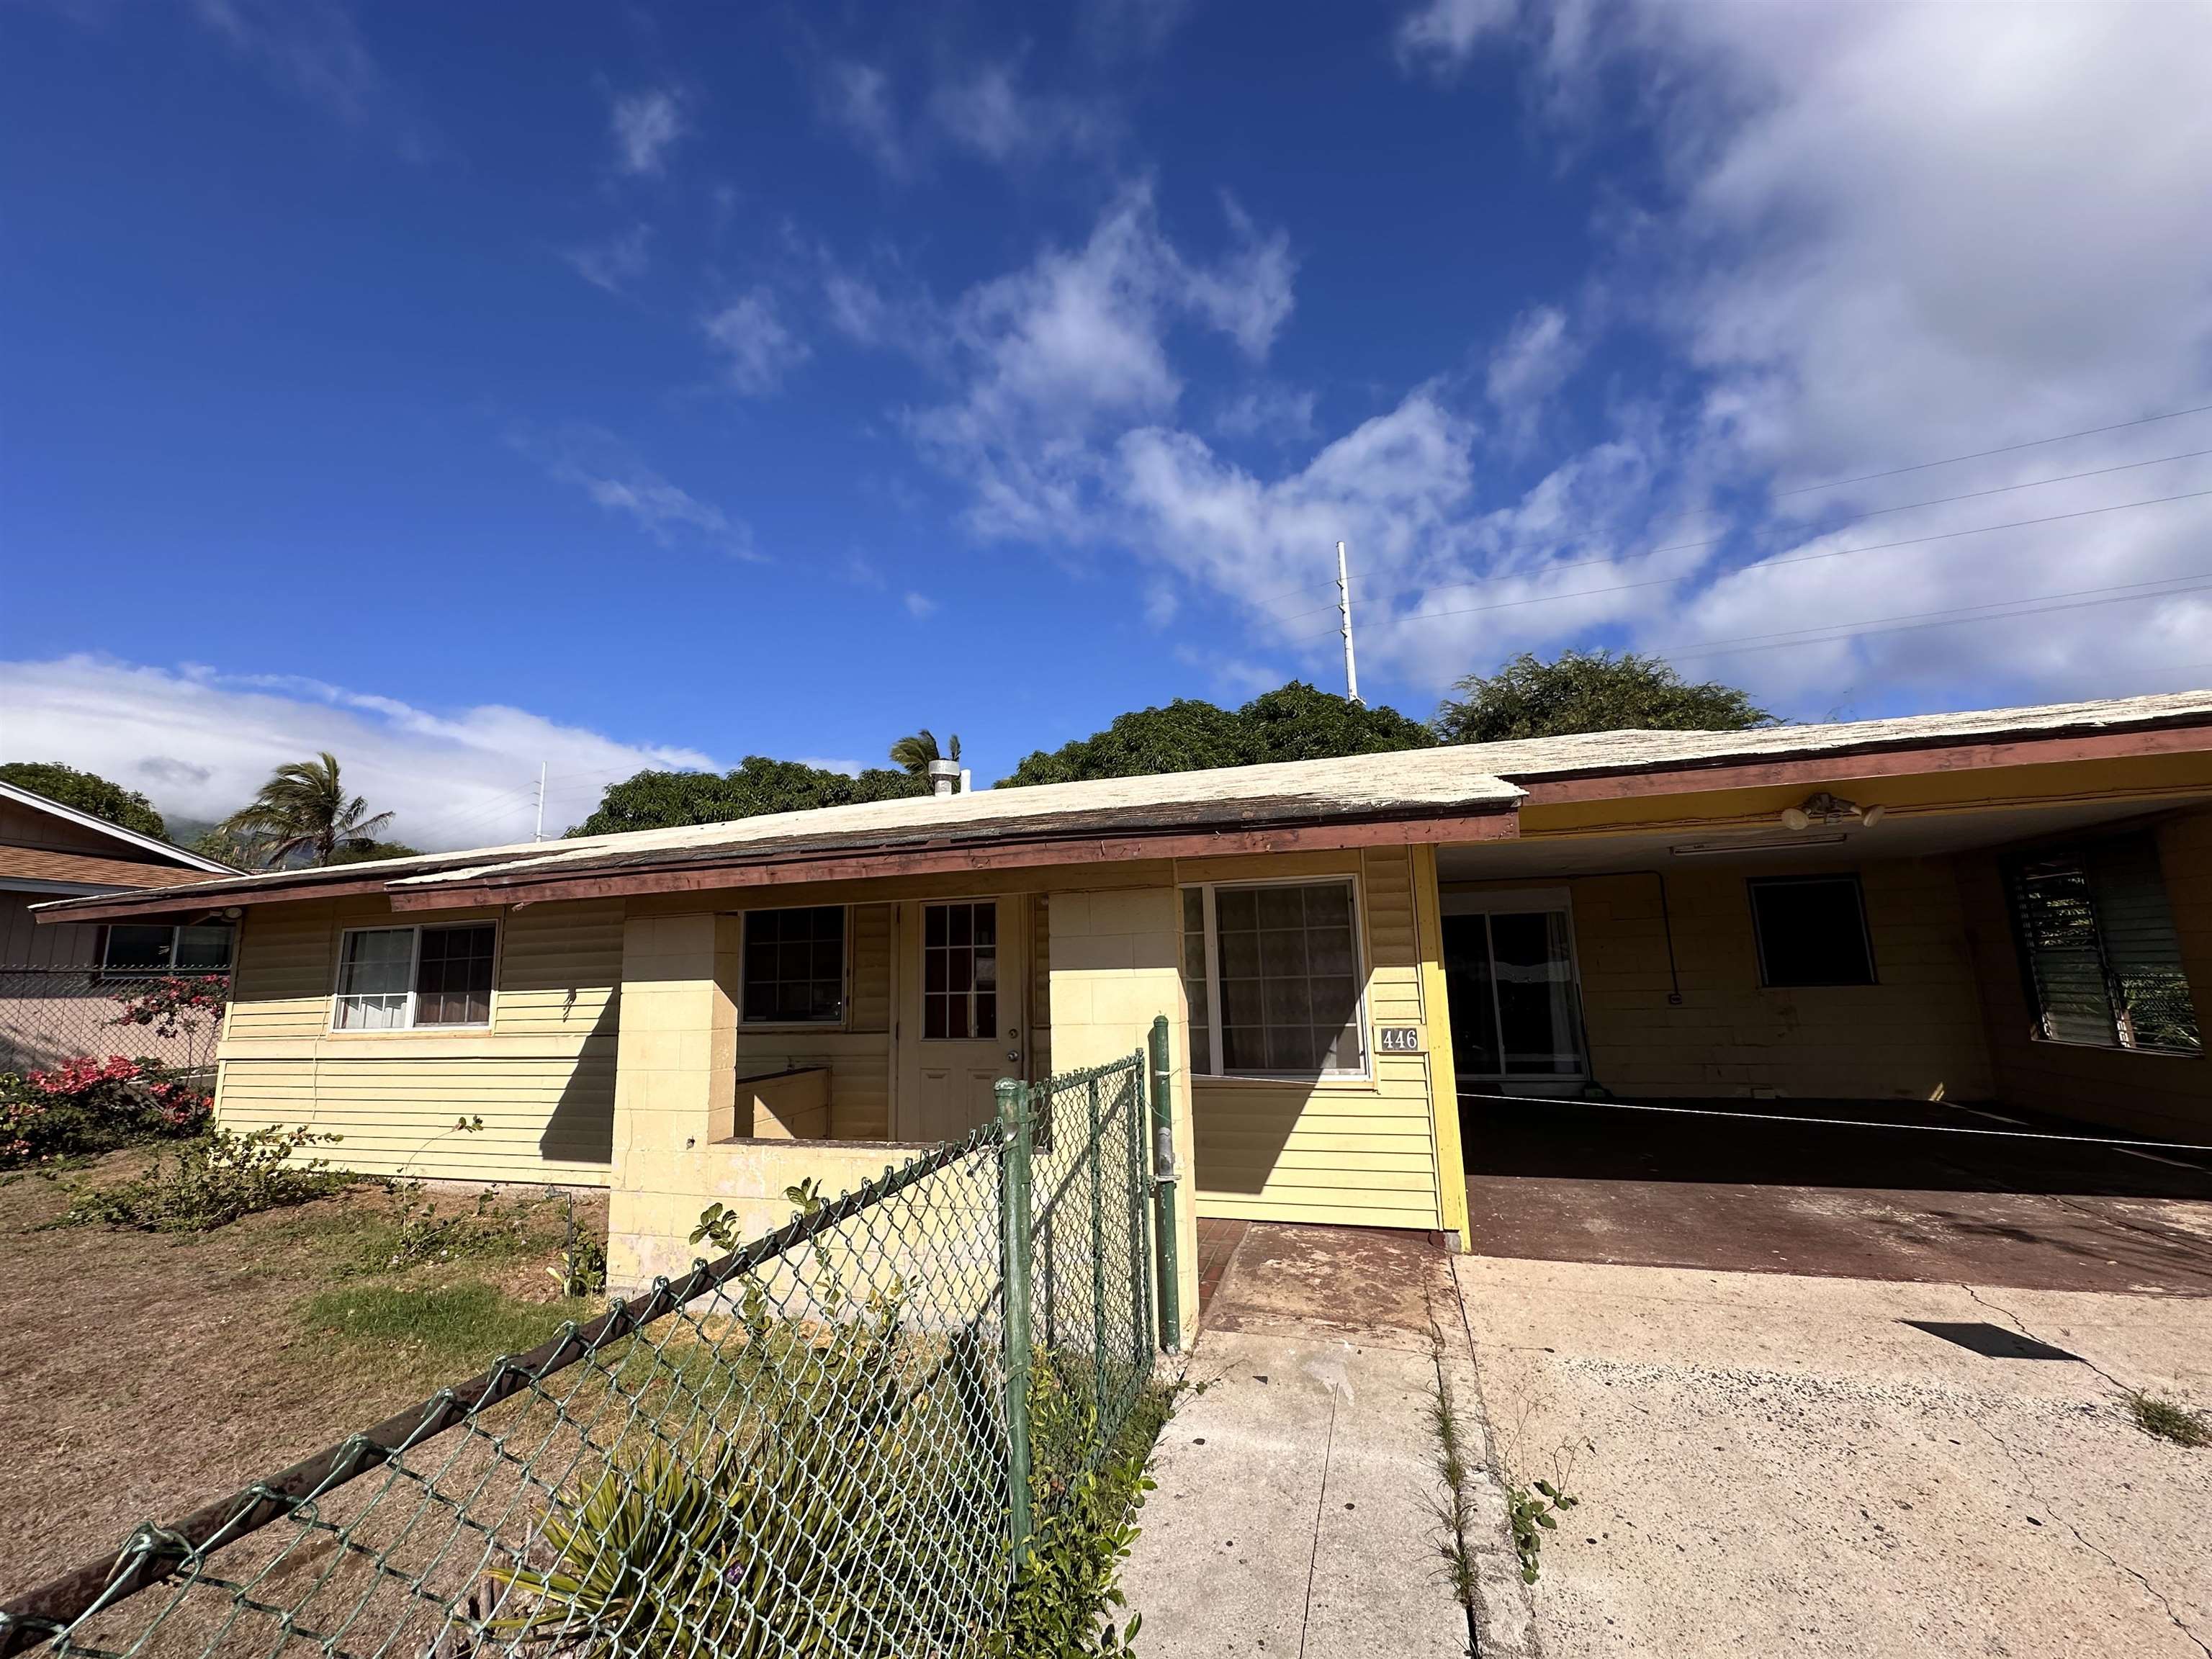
(1163, 1186)
(1014, 1266)
(1098, 1259)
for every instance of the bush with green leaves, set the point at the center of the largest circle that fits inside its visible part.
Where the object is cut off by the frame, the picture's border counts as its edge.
(212, 1181)
(86, 1105)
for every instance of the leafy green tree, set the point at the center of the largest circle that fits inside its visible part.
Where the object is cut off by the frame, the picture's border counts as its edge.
(362, 852)
(667, 800)
(1292, 722)
(90, 793)
(303, 811)
(1590, 691)
(914, 754)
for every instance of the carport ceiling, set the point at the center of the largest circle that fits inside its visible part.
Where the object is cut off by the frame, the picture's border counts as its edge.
(1899, 836)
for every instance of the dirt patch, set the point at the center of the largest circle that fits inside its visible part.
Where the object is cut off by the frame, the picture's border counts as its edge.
(143, 1374)
(1348, 1278)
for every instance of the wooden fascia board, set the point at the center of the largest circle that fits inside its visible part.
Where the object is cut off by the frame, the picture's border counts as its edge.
(1879, 763)
(158, 901)
(540, 886)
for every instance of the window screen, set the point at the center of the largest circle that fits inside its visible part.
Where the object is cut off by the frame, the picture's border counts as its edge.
(1811, 930)
(201, 948)
(795, 966)
(452, 976)
(1282, 997)
(960, 970)
(2099, 955)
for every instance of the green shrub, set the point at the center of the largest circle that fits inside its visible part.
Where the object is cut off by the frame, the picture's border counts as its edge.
(86, 1105)
(212, 1181)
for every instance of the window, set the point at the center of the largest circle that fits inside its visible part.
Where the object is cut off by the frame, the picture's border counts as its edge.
(795, 966)
(2098, 951)
(203, 948)
(396, 978)
(1811, 930)
(960, 970)
(1273, 979)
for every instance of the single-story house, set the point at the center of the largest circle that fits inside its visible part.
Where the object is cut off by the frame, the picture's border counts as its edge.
(57, 982)
(2011, 905)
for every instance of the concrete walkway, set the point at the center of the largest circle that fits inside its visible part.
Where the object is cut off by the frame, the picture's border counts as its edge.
(1296, 1510)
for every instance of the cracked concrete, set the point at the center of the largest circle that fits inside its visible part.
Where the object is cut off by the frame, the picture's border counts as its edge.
(1771, 1463)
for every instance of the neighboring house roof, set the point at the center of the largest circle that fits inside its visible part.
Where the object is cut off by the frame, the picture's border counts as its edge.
(23, 866)
(1234, 808)
(162, 850)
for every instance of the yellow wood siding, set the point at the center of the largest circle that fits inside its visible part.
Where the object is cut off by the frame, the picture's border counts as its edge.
(541, 1077)
(1361, 1152)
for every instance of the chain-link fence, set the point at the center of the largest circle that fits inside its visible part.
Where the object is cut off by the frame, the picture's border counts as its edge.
(52, 1014)
(830, 1441)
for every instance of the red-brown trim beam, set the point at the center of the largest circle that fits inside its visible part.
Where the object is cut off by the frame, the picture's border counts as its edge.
(537, 886)
(1880, 764)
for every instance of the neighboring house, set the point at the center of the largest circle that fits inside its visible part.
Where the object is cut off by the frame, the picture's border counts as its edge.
(2014, 905)
(58, 984)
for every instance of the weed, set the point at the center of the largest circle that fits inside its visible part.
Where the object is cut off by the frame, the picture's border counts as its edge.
(1454, 1513)
(2168, 1421)
(463, 1324)
(212, 1181)
(417, 1232)
(582, 1268)
(1531, 1511)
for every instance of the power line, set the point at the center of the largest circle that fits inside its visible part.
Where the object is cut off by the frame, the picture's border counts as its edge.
(1771, 564)
(1998, 610)
(1829, 529)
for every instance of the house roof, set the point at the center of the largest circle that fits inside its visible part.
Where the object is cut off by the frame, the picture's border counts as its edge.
(1465, 782)
(40, 868)
(162, 850)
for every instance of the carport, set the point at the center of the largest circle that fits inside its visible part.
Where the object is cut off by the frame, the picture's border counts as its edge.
(1804, 1018)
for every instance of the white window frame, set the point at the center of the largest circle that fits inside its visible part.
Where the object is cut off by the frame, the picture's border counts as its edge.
(844, 1020)
(1002, 904)
(112, 970)
(1525, 901)
(1209, 1067)
(414, 973)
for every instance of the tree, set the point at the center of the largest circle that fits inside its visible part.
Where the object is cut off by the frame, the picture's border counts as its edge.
(88, 792)
(304, 809)
(361, 852)
(914, 754)
(1292, 722)
(1590, 691)
(667, 800)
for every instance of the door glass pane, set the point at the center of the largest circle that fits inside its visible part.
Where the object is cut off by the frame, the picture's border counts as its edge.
(1468, 991)
(960, 971)
(1535, 1018)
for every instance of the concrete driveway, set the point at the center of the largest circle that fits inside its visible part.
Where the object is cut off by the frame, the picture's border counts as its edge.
(1773, 1463)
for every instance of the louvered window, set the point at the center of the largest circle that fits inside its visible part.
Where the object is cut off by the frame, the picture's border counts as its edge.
(2098, 948)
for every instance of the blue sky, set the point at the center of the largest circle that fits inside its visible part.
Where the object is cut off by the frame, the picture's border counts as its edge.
(610, 388)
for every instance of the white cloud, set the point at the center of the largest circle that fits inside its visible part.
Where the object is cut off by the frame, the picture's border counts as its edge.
(313, 50)
(645, 126)
(758, 349)
(618, 479)
(856, 98)
(1530, 365)
(989, 111)
(1442, 34)
(200, 743)
(1073, 349)
(615, 263)
(1271, 412)
(919, 606)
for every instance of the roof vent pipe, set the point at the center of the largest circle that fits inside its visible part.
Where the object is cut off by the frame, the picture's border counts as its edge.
(944, 777)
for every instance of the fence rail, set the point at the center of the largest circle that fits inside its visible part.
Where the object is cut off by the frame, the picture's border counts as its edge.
(831, 1441)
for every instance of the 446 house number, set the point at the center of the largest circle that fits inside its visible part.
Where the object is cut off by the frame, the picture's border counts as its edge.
(1399, 1039)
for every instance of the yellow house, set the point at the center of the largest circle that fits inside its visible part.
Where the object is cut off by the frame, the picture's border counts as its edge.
(2014, 905)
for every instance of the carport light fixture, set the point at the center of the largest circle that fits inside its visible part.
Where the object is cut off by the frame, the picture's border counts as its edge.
(1825, 808)
(1707, 849)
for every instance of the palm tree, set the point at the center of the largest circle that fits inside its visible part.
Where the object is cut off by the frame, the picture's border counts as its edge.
(303, 808)
(916, 753)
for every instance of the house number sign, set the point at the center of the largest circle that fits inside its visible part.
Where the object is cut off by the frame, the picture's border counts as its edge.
(1399, 1039)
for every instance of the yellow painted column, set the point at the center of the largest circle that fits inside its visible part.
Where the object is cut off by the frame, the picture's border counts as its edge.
(675, 1081)
(1435, 1026)
(1117, 963)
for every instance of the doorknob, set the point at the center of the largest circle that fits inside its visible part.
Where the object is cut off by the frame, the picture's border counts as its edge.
(1014, 1056)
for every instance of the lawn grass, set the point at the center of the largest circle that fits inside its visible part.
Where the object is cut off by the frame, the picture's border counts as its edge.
(463, 1324)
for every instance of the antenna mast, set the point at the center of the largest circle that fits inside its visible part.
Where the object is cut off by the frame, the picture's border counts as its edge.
(1344, 612)
(539, 834)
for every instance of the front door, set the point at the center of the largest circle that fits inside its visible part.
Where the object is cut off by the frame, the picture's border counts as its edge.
(1516, 1004)
(961, 1013)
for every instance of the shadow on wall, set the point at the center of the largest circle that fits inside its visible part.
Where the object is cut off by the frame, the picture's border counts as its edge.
(581, 1129)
